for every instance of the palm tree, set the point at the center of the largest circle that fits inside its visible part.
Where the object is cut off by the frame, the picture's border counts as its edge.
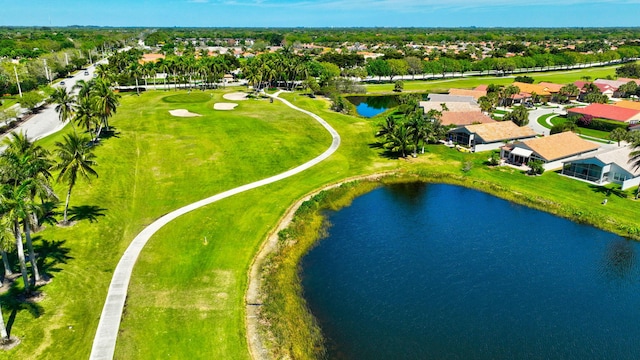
(65, 103)
(420, 131)
(85, 114)
(76, 158)
(5, 245)
(26, 167)
(135, 71)
(4, 335)
(84, 88)
(12, 207)
(105, 103)
(618, 134)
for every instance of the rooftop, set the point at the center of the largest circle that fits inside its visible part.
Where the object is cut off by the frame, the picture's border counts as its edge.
(460, 118)
(606, 111)
(501, 130)
(559, 146)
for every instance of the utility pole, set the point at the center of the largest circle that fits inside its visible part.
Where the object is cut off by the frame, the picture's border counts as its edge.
(66, 58)
(17, 81)
(46, 71)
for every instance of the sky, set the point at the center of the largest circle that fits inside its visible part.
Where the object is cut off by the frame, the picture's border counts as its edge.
(322, 13)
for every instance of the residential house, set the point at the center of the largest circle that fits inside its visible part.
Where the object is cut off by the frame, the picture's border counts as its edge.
(445, 98)
(610, 112)
(489, 136)
(605, 89)
(634, 105)
(150, 58)
(476, 94)
(461, 118)
(605, 166)
(552, 150)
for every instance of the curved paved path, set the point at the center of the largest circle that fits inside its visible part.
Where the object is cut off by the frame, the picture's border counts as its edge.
(104, 342)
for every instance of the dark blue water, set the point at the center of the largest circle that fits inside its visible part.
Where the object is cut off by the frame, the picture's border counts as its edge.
(370, 106)
(443, 272)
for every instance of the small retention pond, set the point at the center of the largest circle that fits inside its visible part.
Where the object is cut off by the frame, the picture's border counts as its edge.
(370, 106)
(443, 272)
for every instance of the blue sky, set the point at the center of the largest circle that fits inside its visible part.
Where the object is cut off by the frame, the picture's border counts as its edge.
(322, 13)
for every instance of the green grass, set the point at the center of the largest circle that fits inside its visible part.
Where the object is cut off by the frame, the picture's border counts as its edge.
(195, 97)
(583, 131)
(8, 101)
(186, 294)
(559, 77)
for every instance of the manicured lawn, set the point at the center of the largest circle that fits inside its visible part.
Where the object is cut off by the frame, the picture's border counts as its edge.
(559, 77)
(186, 294)
(583, 131)
(8, 101)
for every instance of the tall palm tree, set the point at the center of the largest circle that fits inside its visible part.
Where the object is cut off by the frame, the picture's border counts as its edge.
(105, 103)
(4, 335)
(6, 240)
(26, 167)
(12, 206)
(135, 71)
(64, 103)
(76, 159)
(85, 114)
(84, 88)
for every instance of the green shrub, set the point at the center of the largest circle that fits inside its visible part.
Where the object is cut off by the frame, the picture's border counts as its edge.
(536, 167)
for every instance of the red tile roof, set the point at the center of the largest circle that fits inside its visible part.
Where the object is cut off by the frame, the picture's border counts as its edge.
(607, 111)
(601, 87)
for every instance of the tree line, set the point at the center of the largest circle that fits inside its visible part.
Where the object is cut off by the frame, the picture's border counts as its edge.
(27, 199)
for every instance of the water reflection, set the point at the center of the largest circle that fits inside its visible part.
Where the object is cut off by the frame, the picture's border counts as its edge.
(619, 259)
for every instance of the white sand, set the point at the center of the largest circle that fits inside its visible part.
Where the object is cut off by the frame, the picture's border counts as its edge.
(183, 113)
(224, 106)
(236, 96)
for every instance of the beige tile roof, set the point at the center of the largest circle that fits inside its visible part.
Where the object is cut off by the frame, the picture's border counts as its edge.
(464, 118)
(635, 105)
(452, 106)
(532, 88)
(466, 92)
(501, 130)
(558, 146)
(552, 87)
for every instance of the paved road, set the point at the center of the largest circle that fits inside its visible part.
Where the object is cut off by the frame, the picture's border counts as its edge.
(46, 122)
(104, 342)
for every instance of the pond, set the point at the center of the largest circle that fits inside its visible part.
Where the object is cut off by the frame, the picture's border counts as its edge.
(370, 106)
(436, 271)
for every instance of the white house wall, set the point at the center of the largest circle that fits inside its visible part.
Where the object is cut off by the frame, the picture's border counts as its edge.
(630, 183)
(487, 147)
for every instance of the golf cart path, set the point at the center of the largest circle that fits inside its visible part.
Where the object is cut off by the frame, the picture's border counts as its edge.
(104, 342)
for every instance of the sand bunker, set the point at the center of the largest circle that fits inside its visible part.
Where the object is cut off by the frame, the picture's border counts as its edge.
(183, 113)
(236, 96)
(224, 106)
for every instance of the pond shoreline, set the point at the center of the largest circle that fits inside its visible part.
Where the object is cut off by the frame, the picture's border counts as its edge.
(277, 262)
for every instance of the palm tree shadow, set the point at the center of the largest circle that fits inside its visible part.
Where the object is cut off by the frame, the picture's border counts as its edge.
(385, 153)
(111, 133)
(85, 212)
(50, 254)
(15, 301)
(608, 191)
